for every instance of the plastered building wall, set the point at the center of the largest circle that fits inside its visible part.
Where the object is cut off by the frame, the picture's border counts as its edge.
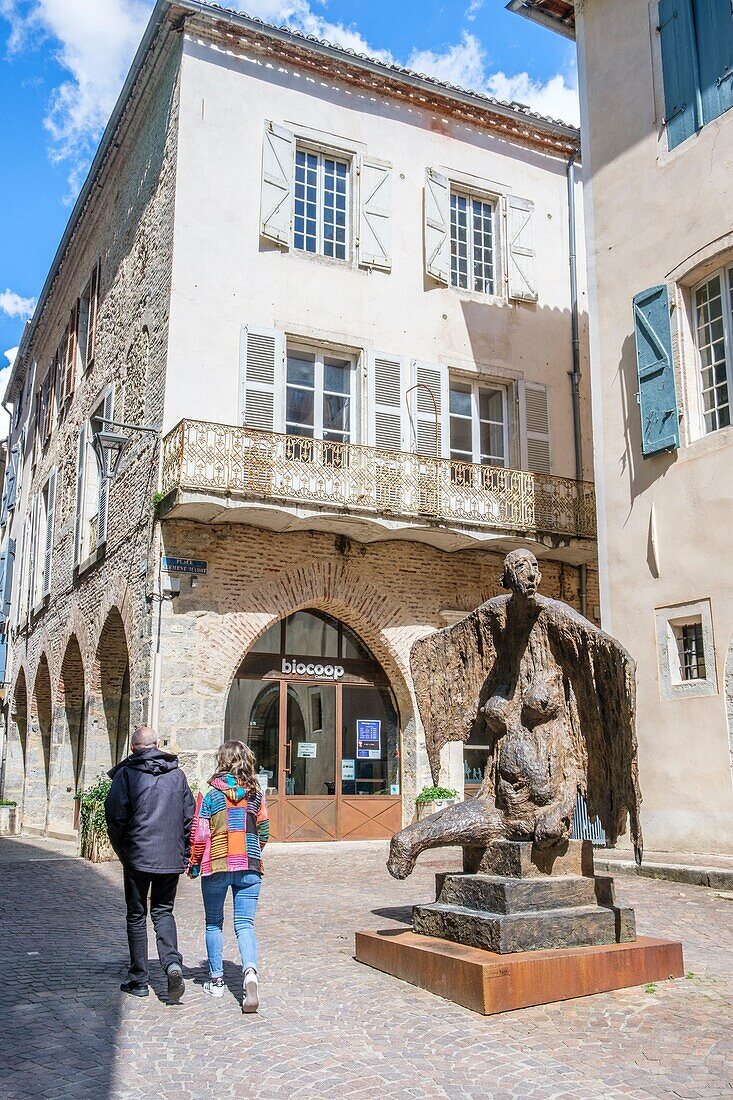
(655, 216)
(225, 275)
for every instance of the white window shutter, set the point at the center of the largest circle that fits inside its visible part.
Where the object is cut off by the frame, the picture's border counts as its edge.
(108, 410)
(437, 226)
(48, 547)
(261, 378)
(387, 386)
(32, 580)
(81, 465)
(520, 236)
(278, 180)
(375, 214)
(427, 437)
(535, 427)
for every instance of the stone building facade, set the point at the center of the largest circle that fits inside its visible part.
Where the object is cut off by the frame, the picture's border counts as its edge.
(156, 596)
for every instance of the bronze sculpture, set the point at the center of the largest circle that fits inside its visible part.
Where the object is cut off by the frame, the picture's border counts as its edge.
(555, 697)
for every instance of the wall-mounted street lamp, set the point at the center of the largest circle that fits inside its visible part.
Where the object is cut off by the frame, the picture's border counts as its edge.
(109, 441)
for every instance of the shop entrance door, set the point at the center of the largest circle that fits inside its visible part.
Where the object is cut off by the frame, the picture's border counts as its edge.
(308, 724)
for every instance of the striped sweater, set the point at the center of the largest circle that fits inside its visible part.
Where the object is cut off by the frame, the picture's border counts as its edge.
(229, 829)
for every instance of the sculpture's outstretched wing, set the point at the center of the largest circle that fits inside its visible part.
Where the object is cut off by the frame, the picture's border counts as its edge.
(449, 670)
(603, 678)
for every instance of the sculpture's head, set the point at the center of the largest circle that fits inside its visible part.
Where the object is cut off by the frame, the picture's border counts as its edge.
(521, 574)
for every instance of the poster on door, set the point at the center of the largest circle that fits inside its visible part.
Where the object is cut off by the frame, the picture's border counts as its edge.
(368, 738)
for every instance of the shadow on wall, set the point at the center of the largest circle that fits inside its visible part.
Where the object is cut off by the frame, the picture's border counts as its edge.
(642, 472)
(62, 955)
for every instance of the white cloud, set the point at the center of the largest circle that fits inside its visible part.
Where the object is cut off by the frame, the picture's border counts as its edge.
(14, 306)
(94, 42)
(556, 98)
(10, 355)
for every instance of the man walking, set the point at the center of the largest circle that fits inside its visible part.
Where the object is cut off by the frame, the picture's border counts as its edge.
(149, 811)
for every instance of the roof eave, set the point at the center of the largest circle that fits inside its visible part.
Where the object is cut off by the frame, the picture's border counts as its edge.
(530, 11)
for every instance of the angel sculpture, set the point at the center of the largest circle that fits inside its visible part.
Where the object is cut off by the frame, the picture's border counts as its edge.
(552, 696)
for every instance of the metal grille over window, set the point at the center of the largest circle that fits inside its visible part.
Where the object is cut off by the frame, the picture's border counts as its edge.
(691, 652)
(321, 204)
(713, 322)
(472, 243)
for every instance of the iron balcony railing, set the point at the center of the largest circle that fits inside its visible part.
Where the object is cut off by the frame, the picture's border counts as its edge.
(292, 469)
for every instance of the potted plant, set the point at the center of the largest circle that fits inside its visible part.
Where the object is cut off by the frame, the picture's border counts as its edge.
(8, 818)
(93, 836)
(432, 799)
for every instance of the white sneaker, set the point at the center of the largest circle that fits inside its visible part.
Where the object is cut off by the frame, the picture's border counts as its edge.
(215, 987)
(251, 999)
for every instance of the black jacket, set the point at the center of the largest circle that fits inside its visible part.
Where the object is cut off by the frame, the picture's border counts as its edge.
(149, 811)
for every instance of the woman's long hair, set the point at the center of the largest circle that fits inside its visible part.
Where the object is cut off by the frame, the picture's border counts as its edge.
(237, 759)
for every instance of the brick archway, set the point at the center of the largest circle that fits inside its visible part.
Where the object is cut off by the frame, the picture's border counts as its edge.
(68, 739)
(108, 725)
(17, 746)
(38, 751)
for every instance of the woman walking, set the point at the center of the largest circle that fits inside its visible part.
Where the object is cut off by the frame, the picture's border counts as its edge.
(230, 829)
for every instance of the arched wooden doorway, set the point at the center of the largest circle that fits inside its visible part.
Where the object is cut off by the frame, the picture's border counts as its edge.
(319, 714)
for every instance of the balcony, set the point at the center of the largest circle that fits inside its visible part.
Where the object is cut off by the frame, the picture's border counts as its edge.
(218, 473)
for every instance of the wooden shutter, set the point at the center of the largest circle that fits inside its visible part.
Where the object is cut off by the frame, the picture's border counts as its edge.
(47, 404)
(261, 374)
(437, 226)
(535, 427)
(520, 219)
(278, 179)
(657, 396)
(714, 31)
(81, 468)
(8, 577)
(48, 540)
(93, 311)
(432, 377)
(8, 501)
(108, 409)
(679, 70)
(387, 385)
(375, 214)
(67, 360)
(32, 585)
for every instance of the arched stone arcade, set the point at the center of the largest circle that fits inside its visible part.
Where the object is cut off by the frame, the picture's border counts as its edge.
(38, 751)
(17, 743)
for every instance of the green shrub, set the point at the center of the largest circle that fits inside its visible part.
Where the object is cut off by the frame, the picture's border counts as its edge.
(91, 813)
(435, 794)
(7, 802)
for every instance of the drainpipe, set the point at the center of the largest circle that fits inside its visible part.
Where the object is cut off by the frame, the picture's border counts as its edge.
(575, 373)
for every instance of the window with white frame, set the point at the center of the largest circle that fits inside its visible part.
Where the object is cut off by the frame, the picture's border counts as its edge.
(478, 423)
(713, 322)
(320, 394)
(686, 650)
(472, 242)
(92, 490)
(321, 210)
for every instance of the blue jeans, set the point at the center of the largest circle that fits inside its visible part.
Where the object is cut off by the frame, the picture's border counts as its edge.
(245, 890)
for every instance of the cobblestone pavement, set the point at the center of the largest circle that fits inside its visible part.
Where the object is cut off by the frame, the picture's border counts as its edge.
(329, 1027)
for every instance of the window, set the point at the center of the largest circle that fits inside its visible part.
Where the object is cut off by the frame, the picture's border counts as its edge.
(86, 321)
(713, 302)
(690, 652)
(696, 38)
(92, 490)
(472, 243)
(686, 651)
(478, 430)
(321, 221)
(319, 395)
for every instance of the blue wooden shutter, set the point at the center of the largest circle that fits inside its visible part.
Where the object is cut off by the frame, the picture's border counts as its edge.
(8, 578)
(657, 392)
(714, 32)
(679, 66)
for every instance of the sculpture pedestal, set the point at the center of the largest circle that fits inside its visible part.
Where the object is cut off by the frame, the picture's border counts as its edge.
(521, 926)
(489, 983)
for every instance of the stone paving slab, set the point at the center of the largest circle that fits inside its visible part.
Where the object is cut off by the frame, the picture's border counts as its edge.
(695, 870)
(329, 1027)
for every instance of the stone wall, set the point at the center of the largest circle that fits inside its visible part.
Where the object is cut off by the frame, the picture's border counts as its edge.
(390, 593)
(95, 619)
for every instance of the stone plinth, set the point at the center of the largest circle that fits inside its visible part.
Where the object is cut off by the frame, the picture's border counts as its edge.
(526, 899)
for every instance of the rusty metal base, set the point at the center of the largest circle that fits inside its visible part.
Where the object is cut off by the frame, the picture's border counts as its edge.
(489, 983)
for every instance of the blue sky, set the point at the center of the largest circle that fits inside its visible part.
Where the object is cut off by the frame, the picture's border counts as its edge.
(62, 63)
